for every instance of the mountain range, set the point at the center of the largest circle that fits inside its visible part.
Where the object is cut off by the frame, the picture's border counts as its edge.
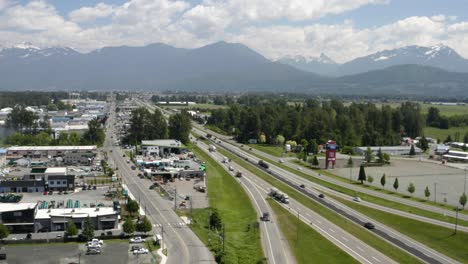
(226, 67)
(439, 56)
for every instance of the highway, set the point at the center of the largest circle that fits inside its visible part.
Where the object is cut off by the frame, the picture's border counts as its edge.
(312, 173)
(413, 247)
(183, 246)
(274, 245)
(259, 189)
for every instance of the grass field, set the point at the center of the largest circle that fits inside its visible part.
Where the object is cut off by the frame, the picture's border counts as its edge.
(439, 238)
(447, 110)
(243, 244)
(195, 106)
(300, 236)
(276, 151)
(386, 248)
(442, 134)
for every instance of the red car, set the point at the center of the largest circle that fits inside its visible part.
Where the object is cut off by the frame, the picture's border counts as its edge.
(44, 193)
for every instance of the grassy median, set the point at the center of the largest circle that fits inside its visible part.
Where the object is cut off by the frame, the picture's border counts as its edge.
(436, 237)
(301, 236)
(359, 232)
(367, 197)
(242, 240)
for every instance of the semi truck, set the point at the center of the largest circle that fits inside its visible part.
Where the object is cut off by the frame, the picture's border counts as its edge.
(279, 196)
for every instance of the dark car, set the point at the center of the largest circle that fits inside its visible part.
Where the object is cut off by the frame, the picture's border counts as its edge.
(369, 225)
(94, 187)
(84, 188)
(302, 186)
(321, 195)
(136, 247)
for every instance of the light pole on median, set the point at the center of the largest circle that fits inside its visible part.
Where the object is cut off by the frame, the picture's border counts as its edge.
(464, 183)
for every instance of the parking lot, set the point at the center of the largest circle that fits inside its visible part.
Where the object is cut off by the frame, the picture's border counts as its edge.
(112, 252)
(447, 182)
(186, 188)
(85, 197)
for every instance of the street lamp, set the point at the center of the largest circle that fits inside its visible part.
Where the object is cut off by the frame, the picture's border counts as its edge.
(464, 184)
(456, 220)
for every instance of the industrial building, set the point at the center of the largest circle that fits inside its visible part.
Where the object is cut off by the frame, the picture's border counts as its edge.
(393, 150)
(48, 152)
(161, 147)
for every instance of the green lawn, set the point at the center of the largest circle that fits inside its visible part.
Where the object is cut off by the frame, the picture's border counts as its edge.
(243, 244)
(438, 238)
(379, 244)
(442, 134)
(300, 236)
(276, 151)
(447, 110)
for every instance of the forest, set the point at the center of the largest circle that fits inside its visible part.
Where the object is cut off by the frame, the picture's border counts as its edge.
(358, 124)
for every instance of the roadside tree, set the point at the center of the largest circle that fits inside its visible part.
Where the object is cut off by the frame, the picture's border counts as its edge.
(396, 184)
(4, 231)
(369, 156)
(411, 188)
(129, 226)
(88, 229)
(144, 225)
(370, 179)
(427, 193)
(362, 174)
(462, 200)
(383, 181)
(72, 230)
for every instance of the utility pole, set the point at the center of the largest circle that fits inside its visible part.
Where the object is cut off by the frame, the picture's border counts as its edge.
(464, 184)
(456, 219)
(435, 192)
(175, 199)
(224, 237)
(162, 236)
(191, 208)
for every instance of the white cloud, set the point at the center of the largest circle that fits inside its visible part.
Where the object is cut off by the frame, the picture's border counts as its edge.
(89, 14)
(260, 24)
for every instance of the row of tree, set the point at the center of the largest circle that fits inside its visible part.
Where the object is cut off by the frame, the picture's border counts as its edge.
(145, 125)
(411, 188)
(353, 125)
(434, 119)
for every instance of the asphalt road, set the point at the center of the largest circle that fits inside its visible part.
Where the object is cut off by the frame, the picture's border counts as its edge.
(413, 247)
(182, 244)
(259, 190)
(274, 245)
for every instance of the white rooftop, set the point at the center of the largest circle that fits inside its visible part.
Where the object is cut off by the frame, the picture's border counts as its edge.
(162, 143)
(56, 170)
(45, 148)
(9, 207)
(75, 212)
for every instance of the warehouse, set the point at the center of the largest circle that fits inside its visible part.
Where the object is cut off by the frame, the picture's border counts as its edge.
(38, 152)
(393, 150)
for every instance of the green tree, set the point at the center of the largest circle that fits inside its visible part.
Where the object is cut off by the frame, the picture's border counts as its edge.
(463, 200)
(95, 133)
(362, 174)
(411, 188)
(21, 118)
(423, 144)
(386, 158)
(380, 156)
(52, 107)
(144, 225)
(370, 179)
(412, 151)
(315, 162)
(180, 126)
(396, 184)
(350, 162)
(4, 231)
(304, 155)
(368, 155)
(262, 139)
(427, 193)
(132, 207)
(71, 230)
(88, 229)
(383, 181)
(313, 147)
(128, 226)
(279, 140)
(215, 220)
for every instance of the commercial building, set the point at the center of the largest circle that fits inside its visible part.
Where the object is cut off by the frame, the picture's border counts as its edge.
(161, 147)
(393, 150)
(38, 152)
(40, 180)
(19, 218)
(456, 156)
(102, 218)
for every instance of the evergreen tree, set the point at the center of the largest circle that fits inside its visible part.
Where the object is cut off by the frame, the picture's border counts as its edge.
(215, 220)
(462, 200)
(383, 181)
(411, 188)
(315, 162)
(88, 229)
(313, 147)
(71, 230)
(4, 231)
(179, 127)
(350, 162)
(362, 174)
(380, 156)
(132, 207)
(427, 193)
(396, 184)
(412, 151)
(369, 156)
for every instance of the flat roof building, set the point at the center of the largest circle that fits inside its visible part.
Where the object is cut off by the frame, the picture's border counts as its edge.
(46, 151)
(392, 150)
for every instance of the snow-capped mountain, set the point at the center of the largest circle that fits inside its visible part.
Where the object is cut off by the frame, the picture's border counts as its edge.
(27, 51)
(439, 56)
(322, 65)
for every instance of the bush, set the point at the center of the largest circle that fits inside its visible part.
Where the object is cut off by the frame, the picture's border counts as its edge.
(348, 150)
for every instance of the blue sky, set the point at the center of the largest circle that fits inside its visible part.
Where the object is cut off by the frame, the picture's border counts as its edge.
(343, 29)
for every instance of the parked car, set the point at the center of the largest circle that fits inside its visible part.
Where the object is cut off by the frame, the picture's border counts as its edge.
(140, 251)
(369, 225)
(51, 192)
(137, 240)
(84, 188)
(44, 193)
(94, 187)
(136, 247)
(97, 241)
(93, 251)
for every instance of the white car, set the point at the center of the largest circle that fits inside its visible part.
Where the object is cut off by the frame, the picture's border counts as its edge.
(231, 168)
(281, 161)
(137, 240)
(97, 241)
(140, 251)
(357, 199)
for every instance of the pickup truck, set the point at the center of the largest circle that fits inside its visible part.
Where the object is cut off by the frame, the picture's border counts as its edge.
(137, 240)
